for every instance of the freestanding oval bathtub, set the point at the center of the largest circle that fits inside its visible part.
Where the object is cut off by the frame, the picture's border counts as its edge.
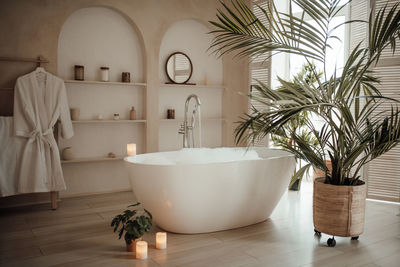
(205, 190)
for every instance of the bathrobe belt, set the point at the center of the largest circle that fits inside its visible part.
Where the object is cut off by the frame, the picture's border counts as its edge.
(40, 137)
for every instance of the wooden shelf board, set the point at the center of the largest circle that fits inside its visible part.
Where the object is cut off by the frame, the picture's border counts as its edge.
(105, 83)
(107, 121)
(211, 86)
(94, 159)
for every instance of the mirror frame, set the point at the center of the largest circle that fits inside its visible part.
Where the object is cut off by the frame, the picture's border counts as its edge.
(191, 68)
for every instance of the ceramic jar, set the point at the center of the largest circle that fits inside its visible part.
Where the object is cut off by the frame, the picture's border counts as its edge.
(132, 114)
(67, 153)
(171, 114)
(75, 113)
(79, 72)
(105, 74)
(126, 77)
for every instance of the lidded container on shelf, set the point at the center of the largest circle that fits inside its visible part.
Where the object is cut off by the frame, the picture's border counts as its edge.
(79, 72)
(105, 74)
(126, 77)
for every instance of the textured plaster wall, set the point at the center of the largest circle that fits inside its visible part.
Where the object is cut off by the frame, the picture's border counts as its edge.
(29, 28)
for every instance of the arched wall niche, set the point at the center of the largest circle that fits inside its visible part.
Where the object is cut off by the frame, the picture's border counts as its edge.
(191, 36)
(96, 36)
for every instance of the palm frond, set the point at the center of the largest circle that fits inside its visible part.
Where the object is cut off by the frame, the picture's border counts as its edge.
(358, 128)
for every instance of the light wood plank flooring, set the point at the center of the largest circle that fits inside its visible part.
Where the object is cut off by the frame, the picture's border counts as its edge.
(78, 234)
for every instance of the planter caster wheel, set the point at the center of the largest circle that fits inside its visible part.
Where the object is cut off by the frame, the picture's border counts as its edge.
(354, 237)
(331, 242)
(316, 232)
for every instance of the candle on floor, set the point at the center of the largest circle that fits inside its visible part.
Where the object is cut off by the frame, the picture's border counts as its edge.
(131, 149)
(161, 240)
(141, 250)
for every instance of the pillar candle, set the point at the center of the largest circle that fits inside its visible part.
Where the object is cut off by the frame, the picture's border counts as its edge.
(131, 149)
(161, 240)
(141, 250)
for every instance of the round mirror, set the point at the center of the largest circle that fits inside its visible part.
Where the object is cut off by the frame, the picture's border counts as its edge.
(179, 68)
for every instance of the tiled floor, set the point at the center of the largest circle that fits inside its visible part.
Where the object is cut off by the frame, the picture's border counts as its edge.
(78, 234)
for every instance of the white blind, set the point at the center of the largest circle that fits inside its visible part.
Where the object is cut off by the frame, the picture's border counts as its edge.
(383, 173)
(387, 53)
(259, 66)
(359, 10)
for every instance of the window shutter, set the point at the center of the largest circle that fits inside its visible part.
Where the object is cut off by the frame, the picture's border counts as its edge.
(383, 173)
(359, 10)
(387, 53)
(260, 67)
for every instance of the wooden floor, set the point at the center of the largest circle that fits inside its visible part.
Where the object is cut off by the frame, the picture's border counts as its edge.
(78, 234)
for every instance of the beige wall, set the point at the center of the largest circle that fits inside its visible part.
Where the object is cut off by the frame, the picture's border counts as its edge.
(29, 28)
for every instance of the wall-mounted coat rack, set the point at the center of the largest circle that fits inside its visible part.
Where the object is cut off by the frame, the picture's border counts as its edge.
(39, 60)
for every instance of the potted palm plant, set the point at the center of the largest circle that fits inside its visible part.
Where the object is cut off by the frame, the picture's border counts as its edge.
(357, 126)
(296, 125)
(134, 223)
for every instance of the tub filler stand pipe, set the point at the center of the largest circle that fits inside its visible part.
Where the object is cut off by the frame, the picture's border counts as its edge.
(188, 130)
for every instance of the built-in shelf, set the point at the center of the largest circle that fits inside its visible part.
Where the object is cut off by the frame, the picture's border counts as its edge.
(108, 121)
(94, 159)
(105, 83)
(202, 86)
(203, 119)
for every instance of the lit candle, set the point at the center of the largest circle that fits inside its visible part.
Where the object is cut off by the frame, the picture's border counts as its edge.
(161, 240)
(141, 250)
(131, 149)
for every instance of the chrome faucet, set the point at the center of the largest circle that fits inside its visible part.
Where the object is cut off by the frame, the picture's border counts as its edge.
(188, 129)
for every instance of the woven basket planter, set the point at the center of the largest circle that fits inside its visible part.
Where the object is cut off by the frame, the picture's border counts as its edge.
(339, 210)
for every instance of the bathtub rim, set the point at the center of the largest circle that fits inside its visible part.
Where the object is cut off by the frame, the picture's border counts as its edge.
(287, 154)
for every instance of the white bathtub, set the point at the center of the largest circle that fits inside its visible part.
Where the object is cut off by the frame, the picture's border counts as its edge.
(198, 197)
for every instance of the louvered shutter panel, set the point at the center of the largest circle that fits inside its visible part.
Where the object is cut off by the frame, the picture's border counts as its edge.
(387, 53)
(358, 31)
(260, 66)
(359, 10)
(383, 173)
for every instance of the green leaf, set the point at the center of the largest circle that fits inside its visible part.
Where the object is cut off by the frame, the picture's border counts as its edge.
(134, 205)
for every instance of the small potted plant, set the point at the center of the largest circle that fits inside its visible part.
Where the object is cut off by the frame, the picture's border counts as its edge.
(134, 223)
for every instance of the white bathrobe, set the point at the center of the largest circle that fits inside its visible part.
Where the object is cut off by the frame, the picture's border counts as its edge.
(39, 101)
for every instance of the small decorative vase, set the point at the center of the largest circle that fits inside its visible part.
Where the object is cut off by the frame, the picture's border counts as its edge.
(75, 113)
(132, 246)
(67, 153)
(132, 114)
